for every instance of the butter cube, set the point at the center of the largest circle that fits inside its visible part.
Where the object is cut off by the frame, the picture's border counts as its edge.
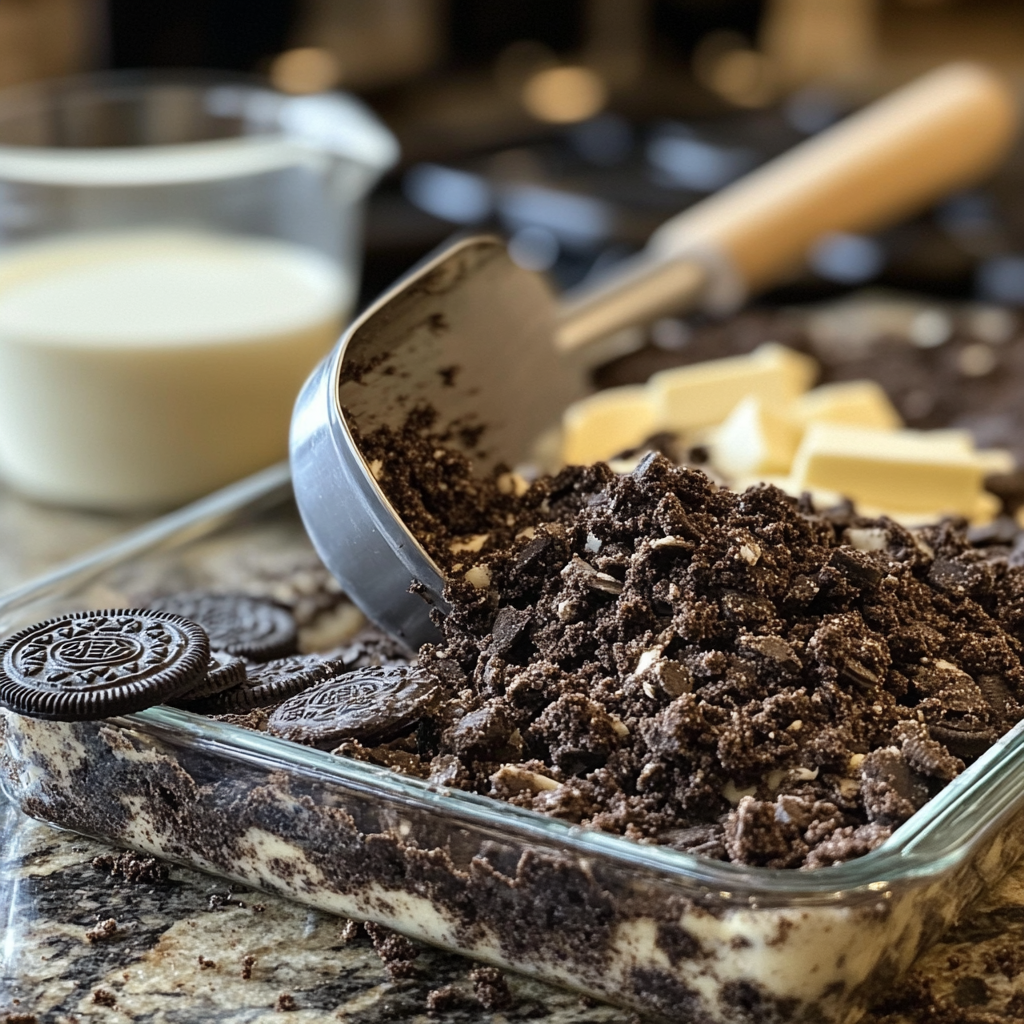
(704, 394)
(991, 460)
(861, 403)
(950, 437)
(909, 470)
(801, 370)
(755, 438)
(996, 460)
(986, 508)
(604, 424)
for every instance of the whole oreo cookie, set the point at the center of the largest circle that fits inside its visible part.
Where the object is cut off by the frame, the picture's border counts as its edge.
(248, 627)
(365, 704)
(224, 672)
(266, 684)
(89, 665)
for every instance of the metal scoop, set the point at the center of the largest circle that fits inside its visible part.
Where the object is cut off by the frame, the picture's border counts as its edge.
(486, 344)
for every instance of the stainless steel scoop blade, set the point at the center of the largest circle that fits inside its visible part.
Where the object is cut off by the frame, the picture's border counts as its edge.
(467, 334)
(478, 338)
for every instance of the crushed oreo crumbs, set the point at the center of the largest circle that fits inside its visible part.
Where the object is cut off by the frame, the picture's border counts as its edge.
(733, 675)
(132, 867)
(102, 931)
(396, 952)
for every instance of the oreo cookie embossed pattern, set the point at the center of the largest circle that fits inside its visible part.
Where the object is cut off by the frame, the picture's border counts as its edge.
(224, 672)
(269, 683)
(95, 664)
(368, 704)
(98, 664)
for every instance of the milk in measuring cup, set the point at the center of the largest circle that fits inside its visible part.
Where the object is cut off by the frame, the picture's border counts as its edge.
(145, 368)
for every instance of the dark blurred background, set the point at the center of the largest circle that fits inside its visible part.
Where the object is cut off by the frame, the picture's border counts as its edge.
(576, 126)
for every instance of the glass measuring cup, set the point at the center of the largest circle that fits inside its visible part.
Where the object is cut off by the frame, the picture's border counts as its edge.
(177, 251)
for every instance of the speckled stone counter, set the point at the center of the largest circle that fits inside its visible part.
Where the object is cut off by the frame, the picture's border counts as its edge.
(83, 942)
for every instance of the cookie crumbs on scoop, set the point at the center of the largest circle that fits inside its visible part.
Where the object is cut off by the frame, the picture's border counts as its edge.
(452, 512)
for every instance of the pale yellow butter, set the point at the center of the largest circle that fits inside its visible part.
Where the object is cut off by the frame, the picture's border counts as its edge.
(857, 402)
(986, 508)
(756, 438)
(704, 394)
(901, 469)
(604, 424)
(951, 438)
(996, 460)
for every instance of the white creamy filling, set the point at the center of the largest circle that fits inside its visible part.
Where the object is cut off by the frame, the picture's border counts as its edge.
(54, 745)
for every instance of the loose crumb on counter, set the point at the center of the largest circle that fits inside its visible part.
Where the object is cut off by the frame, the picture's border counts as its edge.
(491, 988)
(447, 997)
(102, 931)
(396, 952)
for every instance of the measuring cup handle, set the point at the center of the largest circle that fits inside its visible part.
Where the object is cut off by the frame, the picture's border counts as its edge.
(943, 131)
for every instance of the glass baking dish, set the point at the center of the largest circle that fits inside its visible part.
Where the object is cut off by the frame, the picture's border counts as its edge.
(674, 936)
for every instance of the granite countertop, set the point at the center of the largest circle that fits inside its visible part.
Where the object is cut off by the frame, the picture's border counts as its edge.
(88, 937)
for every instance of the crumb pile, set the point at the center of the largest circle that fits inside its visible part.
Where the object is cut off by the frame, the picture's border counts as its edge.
(729, 674)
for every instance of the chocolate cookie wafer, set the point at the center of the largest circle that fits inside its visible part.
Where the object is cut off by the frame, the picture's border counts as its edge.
(245, 626)
(224, 672)
(365, 704)
(89, 665)
(268, 683)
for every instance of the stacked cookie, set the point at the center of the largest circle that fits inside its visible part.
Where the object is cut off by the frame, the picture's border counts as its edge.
(205, 652)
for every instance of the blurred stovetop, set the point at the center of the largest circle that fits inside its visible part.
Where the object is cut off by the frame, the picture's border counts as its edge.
(448, 75)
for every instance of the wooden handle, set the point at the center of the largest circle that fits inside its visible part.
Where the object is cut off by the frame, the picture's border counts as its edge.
(945, 130)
